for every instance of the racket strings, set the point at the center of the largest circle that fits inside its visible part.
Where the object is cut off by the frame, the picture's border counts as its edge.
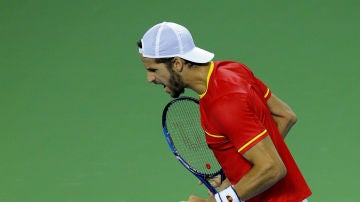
(183, 123)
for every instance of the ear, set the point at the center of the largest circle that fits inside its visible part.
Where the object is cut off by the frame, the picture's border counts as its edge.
(178, 64)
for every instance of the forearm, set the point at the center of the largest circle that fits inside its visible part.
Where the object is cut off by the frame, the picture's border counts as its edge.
(256, 181)
(267, 169)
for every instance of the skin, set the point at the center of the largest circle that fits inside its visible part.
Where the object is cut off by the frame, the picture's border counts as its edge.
(282, 114)
(193, 78)
(268, 167)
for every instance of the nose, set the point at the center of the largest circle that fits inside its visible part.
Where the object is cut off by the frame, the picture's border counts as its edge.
(150, 77)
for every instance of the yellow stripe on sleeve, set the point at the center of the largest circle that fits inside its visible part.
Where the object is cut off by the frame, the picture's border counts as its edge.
(252, 140)
(267, 93)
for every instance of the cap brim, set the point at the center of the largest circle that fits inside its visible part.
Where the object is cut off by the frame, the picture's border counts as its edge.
(198, 55)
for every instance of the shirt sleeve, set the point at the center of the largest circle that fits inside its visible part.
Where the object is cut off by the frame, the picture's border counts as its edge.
(265, 91)
(235, 118)
(261, 88)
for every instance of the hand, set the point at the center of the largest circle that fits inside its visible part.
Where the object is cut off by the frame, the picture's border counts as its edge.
(216, 183)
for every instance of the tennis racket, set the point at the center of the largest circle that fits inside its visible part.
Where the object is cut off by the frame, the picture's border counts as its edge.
(186, 139)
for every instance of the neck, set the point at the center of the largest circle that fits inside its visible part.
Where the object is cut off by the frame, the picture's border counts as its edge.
(197, 78)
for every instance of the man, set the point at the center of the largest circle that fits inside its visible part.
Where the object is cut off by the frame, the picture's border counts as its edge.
(244, 122)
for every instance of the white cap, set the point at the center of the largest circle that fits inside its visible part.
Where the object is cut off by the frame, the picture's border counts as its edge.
(168, 39)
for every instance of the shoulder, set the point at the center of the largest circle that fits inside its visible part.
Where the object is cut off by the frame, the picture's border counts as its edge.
(229, 70)
(229, 64)
(230, 77)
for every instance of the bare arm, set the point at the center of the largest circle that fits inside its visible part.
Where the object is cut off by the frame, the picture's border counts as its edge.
(282, 114)
(267, 169)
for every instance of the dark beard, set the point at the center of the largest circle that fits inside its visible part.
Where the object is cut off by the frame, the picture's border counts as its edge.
(176, 85)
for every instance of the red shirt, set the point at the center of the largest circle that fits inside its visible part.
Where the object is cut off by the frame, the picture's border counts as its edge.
(235, 116)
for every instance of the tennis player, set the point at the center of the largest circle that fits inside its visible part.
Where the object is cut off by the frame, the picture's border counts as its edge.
(244, 122)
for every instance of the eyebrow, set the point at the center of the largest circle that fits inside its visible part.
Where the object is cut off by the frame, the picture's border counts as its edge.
(151, 68)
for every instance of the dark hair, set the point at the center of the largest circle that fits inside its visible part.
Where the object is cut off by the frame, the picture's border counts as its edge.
(169, 60)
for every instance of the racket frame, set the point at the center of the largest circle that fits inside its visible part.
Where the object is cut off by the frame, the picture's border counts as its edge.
(202, 177)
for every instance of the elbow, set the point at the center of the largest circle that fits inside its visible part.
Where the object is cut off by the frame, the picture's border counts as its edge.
(281, 171)
(276, 172)
(291, 118)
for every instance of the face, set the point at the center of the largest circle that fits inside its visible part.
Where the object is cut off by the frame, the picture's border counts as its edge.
(159, 73)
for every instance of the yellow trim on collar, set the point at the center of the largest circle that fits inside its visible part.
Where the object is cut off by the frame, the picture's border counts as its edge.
(208, 78)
